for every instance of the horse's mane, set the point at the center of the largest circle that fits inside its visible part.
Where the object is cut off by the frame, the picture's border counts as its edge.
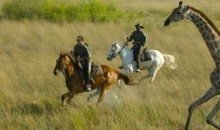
(207, 19)
(73, 61)
(71, 57)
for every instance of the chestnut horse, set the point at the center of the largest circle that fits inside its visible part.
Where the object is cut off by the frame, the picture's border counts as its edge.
(68, 65)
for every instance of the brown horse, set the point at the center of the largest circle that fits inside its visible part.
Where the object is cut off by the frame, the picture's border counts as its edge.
(74, 79)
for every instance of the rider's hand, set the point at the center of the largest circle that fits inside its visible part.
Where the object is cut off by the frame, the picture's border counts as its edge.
(72, 53)
(128, 38)
(78, 59)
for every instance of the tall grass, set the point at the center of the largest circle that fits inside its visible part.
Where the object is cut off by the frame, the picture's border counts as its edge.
(30, 93)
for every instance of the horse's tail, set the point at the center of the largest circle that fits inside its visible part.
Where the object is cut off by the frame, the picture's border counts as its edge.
(170, 61)
(127, 79)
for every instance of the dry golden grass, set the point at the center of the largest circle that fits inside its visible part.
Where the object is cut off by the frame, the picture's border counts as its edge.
(30, 94)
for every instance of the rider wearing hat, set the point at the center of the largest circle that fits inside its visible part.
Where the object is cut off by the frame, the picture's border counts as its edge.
(139, 40)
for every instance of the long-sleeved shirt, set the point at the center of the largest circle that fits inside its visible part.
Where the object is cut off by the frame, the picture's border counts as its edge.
(82, 51)
(139, 37)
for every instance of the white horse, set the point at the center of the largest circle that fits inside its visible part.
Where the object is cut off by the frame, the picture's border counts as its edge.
(129, 65)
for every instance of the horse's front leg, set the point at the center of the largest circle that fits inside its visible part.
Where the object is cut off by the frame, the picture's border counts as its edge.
(71, 95)
(68, 95)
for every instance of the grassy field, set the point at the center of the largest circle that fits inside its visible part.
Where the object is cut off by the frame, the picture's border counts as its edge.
(30, 93)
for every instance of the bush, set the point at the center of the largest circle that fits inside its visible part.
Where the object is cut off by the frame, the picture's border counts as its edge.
(94, 10)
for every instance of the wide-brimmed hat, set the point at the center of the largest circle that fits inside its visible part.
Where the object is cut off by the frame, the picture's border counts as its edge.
(139, 25)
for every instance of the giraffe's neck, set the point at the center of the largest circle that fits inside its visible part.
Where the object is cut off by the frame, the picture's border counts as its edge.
(208, 32)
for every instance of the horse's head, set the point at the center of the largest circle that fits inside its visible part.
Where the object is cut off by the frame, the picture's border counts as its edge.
(113, 51)
(61, 63)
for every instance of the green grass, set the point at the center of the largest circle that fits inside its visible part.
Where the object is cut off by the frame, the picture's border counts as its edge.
(58, 11)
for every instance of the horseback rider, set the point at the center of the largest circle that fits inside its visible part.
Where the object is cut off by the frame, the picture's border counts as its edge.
(139, 40)
(81, 52)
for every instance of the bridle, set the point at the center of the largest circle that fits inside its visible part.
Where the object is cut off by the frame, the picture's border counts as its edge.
(63, 67)
(113, 54)
(63, 64)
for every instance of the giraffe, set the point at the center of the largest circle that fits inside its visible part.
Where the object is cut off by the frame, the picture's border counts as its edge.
(211, 36)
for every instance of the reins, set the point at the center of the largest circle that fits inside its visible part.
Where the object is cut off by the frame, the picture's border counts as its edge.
(71, 57)
(114, 55)
(123, 47)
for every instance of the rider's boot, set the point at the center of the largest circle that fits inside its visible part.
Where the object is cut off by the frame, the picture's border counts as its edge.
(138, 63)
(87, 70)
(87, 87)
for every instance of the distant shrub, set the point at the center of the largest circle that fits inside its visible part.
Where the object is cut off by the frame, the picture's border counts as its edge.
(94, 10)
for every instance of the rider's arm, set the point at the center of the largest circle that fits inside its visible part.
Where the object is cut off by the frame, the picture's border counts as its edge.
(131, 37)
(86, 52)
(143, 39)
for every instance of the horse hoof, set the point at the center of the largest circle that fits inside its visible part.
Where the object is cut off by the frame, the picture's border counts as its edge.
(69, 101)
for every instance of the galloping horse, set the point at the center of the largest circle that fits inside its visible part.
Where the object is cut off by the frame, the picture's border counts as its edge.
(129, 65)
(68, 65)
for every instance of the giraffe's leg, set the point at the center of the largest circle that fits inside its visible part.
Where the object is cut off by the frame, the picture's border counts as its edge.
(208, 95)
(94, 94)
(212, 113)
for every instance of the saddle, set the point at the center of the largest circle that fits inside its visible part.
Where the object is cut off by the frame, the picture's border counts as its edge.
(145, 56)
(96, 70)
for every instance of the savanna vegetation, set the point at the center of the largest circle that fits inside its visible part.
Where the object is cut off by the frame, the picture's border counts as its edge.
(33, 33)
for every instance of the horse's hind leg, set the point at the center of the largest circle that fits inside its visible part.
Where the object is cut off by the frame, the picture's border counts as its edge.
(151, 73)
(102, 92)
(94, 94)
(154, 72)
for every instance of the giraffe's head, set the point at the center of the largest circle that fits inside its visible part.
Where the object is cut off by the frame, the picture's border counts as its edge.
(178, 14)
